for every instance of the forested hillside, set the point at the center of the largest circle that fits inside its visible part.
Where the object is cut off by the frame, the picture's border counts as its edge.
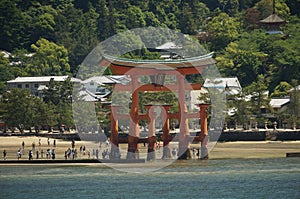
(52, 37)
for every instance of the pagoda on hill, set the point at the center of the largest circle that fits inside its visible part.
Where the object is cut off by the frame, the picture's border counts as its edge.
(273, 22)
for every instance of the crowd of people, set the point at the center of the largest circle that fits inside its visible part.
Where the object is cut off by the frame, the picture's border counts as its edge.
(72, 153)
(35, 152)
(48, 151)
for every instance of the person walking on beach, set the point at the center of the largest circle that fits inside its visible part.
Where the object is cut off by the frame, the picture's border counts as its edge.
(174, 152)
(53, 154)
(23, 145)
(30, 155)
(19, 154)
(83, 149)
(40, 144)
(69, 153)
(48, 140)
(73, 144)
(4, 154)
(54, 143)
(80, 150)
(48, 154)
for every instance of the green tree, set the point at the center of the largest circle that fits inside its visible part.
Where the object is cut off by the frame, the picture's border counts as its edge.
(151, 19)
(258, 93)
(48, 59)
(265, 7)
(242, 60)
(251, 18)
(187, 24)
(70, 31)
(249, 103)
(23, 111)
(294, 6)
(222, 30)
(58, 96)
(5, 72)
(13, 24)
(282, 90)
(104, 28)
(229, 6)
(240, 108)
(135, 18)
(165, 11)
(41, 22)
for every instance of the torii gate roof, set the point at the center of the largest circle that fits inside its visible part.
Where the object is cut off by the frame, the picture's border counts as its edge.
(188, 65)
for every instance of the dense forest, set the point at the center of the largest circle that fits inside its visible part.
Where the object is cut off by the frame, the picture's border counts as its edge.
(52, 37)
(61, 33)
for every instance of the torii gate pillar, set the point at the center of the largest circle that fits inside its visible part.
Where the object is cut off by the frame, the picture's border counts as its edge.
(204, 131)
(166, 132)
(134, 134)
(184, 134)
(115, 152)
(151, 133)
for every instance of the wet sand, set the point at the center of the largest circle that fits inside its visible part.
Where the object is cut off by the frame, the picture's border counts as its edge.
(222, 150)
(259, 149)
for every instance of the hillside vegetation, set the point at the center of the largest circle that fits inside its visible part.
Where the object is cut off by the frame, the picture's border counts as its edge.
(61, 33)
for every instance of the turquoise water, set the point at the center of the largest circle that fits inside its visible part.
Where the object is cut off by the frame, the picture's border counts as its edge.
(237, 178)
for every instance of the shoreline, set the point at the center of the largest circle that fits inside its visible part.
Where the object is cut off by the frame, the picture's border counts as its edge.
(221, 150)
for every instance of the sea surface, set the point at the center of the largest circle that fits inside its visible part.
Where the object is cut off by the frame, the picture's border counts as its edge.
(228, 178)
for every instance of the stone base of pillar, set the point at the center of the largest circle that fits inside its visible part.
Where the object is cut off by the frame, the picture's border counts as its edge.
(166, 152)
(184, 154)
(132, 152)
(133, 155)
(151, 155)
(151, 148)
(204, 153)
(115, 153)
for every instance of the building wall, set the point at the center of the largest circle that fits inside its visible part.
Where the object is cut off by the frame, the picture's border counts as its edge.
(31, 86)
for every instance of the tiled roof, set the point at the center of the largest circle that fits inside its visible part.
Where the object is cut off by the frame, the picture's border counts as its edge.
(168, 46)
(42, 79)
(279, 102)
(231, 82)
(272, 19)
(101, 80)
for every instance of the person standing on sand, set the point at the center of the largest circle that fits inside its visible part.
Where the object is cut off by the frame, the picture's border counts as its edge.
(54, 143)
(97, 154)
(48, 141)
(33, 146)
(66, 155)
(4, 154)
(23, 145)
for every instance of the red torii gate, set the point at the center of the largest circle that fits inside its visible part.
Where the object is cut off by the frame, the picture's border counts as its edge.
(157, 69)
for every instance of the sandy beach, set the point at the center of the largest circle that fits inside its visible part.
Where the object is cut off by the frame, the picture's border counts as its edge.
(222, 150)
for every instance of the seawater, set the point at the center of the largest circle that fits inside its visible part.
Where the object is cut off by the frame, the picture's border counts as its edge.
(230, 178)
